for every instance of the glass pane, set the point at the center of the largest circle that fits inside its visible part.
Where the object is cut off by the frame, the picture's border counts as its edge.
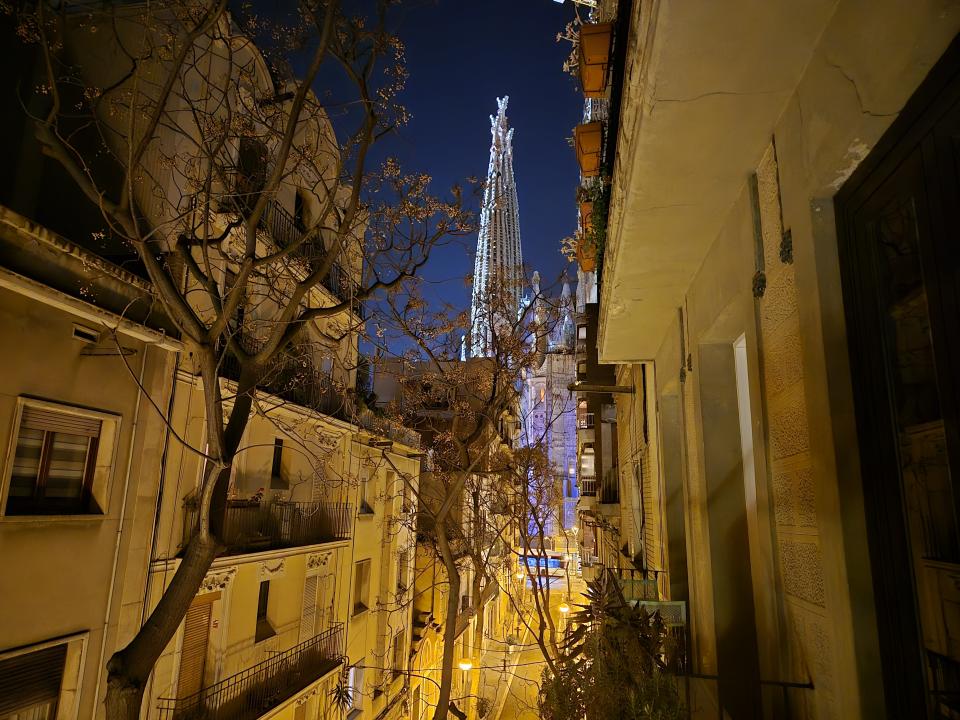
(925, 473)
(26, 463)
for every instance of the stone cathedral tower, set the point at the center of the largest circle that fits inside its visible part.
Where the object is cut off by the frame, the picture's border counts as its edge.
(498, 270)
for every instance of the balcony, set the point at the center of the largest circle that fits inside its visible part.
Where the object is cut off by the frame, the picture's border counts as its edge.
(588, 140)
(252, 526)
(260, 688)
(595, 40)
(286, 230)
(293, 377)
(588, 487)
(639, 589)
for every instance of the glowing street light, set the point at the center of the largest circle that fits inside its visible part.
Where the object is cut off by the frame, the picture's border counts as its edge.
(564, 608)
(466, 664)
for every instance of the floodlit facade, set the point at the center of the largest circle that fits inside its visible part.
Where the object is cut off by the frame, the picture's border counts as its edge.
(776, 310)
(498, 267)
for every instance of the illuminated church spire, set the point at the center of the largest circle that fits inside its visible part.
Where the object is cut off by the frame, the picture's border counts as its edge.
(498, 270)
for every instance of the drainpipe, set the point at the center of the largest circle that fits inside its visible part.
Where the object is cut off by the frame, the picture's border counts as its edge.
(159, 509)
(123, 512)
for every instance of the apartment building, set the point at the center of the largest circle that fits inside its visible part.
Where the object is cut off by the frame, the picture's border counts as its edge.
(305, 613)
(777, 257)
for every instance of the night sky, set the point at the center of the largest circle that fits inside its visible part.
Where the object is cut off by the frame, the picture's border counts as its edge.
(462, 55)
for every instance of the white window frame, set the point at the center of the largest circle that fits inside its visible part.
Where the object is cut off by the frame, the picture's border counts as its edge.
(68, 705)
(105, 462)
(354, 678)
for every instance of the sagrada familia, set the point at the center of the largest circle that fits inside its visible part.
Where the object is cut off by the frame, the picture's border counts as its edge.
(501, 297)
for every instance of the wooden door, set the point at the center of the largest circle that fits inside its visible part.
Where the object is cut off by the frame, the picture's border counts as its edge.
(898, 221)
(196, 640)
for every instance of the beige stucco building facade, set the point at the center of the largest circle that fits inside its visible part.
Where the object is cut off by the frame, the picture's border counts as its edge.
(751, 146)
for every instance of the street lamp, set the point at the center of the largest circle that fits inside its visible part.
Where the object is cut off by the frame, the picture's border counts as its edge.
(564, 607)
(466, 664)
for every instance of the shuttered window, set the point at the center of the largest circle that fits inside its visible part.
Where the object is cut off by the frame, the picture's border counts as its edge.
(193, 653)
(308, 618)
(30, 684)
(54, 463)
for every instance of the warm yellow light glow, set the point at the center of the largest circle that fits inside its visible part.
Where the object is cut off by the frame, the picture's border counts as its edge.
(465, 664)
(564, 608)
(520, 575)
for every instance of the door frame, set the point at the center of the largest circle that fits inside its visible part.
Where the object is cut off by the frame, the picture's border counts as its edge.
(909, 139)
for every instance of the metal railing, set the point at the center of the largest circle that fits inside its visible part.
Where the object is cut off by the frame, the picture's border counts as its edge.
(293, 377)
(585, 421)
(254, 691)
(286, 231)
(588, 486)
(641, 589)
(252, 526)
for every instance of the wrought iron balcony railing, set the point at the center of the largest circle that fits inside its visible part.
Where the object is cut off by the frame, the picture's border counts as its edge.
(256, 690)
(293, 377)
(588, 486)
(286, 230)
(252, 526)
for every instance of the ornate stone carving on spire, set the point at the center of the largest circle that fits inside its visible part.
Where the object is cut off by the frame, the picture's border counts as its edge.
(498, 269)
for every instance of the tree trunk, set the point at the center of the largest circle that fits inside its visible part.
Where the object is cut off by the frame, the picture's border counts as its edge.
(130, 668)
(450, 624)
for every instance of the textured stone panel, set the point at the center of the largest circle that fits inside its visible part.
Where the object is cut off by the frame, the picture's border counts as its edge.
(794, 498)
(768, 191)
(801, 565)
(783, 505)
(782, 359)
(780, 299)
(789, 432)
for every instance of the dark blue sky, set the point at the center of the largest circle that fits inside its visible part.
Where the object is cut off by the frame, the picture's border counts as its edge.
(462, 55)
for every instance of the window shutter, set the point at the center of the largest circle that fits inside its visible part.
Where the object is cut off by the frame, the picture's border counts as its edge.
(32, 679)
(36, 418)
(308, 618)
(193, 654)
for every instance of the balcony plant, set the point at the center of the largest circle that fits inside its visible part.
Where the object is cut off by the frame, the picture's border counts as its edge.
(618, 663)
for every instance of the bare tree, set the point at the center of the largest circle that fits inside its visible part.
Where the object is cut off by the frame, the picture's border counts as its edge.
(261, 234)
(479, 487)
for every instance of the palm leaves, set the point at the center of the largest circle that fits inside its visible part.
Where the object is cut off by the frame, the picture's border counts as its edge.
(614, 662)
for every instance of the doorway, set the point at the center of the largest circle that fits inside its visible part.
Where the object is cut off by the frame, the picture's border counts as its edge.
(898, 219)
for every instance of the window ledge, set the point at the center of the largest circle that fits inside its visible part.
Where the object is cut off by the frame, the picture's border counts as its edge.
(357, 614)
(354, 714)
(365, 514)
(52, 519)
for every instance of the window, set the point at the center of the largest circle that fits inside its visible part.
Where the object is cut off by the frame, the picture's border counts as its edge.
(363, 495)
(299, 211)
(264, 628)
(60, 463)
(30, 684)
(403, 572)
(355, 685)
(277, 481)
(399, 642)
(361, 586)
